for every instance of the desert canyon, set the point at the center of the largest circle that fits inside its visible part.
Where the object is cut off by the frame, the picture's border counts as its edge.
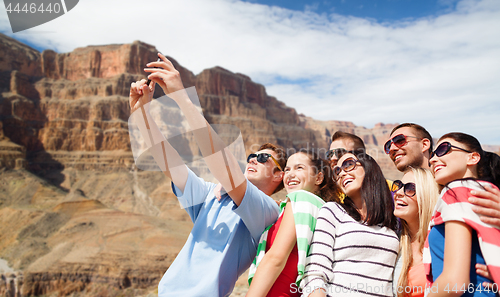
(77, 217)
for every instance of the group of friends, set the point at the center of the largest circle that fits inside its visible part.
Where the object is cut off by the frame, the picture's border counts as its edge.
(343, 229)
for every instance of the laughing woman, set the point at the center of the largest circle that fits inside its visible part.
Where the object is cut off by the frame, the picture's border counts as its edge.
(415, 196)
(458, 239)
(354, 246)
(282, 250)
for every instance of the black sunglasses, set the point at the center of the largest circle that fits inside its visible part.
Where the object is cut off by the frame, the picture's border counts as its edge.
(262, 158)
(444, 148)
(398, 140)
(348, 165)
(409, 188)
(338, 152)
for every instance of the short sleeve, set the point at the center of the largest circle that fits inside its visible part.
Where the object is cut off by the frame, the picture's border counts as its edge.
(257, 210)
(195, 193)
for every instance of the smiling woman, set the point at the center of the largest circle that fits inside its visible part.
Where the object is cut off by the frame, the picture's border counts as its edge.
(357, 235)
(457, 233)
(415, 196)
(281, 255)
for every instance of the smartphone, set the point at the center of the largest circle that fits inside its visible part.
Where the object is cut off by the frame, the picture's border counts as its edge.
(149, 81)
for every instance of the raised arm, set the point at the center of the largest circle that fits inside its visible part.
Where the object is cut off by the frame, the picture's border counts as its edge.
(221, 162)
(165, 156)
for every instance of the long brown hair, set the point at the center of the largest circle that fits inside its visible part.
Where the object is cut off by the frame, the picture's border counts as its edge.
(375, 194)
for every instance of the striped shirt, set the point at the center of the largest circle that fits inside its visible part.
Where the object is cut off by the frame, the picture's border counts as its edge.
(305, 207)
(348, 258)
(453, 205)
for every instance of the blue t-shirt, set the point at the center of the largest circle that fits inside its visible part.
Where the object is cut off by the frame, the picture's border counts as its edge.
(436, 247)
(222, 243)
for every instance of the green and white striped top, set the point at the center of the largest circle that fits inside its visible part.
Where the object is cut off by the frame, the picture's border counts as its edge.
(305, 206)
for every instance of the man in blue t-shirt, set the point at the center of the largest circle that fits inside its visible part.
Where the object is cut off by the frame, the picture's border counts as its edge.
(228, 218)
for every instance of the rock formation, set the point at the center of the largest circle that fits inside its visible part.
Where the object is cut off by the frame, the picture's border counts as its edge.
(56, 106)
(77, 216)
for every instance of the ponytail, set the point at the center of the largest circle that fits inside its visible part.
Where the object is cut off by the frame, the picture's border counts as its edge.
(489, 168)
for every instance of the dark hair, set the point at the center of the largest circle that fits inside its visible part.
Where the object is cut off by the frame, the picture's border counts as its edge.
(488, 168)
(326, 188)
(375, 194)
(357, 142)
(282, 157)
(420, 132)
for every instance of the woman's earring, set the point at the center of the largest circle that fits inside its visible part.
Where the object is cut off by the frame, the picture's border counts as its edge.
(342, 197)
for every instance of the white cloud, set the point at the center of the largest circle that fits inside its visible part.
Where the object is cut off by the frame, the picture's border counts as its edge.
(441, 72)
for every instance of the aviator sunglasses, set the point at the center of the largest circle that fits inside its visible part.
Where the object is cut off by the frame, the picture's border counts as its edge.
(398, 140)
(262, 158)
(408, 188)
(348, 165)
(444, 148)
(338, 152)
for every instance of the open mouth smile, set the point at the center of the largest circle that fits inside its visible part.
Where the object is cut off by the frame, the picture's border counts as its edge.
(400, 204)
(438, 168)
(398, 156)
(347, 181)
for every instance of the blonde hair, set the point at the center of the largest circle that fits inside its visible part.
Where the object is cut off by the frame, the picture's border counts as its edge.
(427, 194)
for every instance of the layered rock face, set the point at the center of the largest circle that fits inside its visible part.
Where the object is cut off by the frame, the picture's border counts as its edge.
(78, 102)
(77, 216)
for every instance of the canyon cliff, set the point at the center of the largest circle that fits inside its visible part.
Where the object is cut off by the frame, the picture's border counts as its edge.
(77, 216)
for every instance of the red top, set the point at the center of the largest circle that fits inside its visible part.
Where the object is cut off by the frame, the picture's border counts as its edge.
(285, 283)
(416, 280)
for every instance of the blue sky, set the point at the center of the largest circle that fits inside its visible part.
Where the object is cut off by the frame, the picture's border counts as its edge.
(436, 63)
(379, 10)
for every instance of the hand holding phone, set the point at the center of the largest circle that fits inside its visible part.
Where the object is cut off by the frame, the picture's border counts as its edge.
(149, 81)
(165, 75)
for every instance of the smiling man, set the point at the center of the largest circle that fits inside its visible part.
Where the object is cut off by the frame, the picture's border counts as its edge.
(228, 218)
(226, 230)
(410, 145)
